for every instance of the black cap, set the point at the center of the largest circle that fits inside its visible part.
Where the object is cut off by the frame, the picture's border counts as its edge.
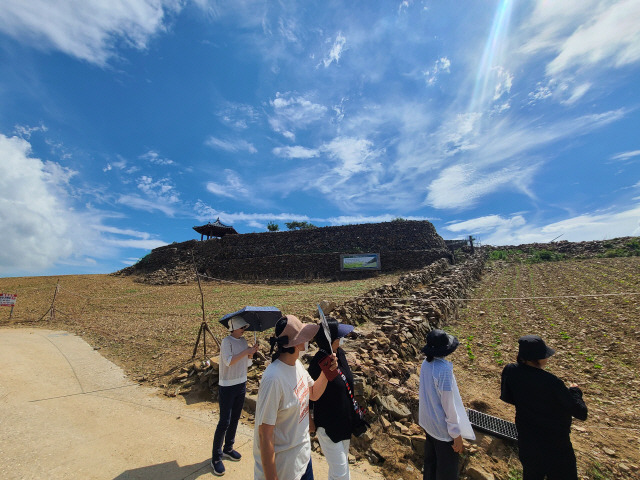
(532, 347)
(440, 344)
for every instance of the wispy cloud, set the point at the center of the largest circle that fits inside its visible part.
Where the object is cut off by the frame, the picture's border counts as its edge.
(234, 187)
(442, 65)
(292, 112)
(295, 152)
(626, 155)
(154, 157)
(88, 29)
(148, 205)
(516, 230)
(230, 145)
(485, 224)
(583, 34)
(336, 50)
(24, 131)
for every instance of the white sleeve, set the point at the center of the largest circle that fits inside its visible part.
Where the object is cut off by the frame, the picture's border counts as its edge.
(450, 414)
(225, 352)
(268, 401)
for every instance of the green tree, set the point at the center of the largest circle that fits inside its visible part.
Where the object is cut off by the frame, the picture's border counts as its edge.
(300, 225)
(273, 227)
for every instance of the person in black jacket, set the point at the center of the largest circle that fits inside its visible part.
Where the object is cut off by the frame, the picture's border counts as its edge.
(544, 409)
(334, 414)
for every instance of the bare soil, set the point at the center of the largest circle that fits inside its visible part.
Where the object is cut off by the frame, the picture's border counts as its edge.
(589, 317)
(151, 330)
(595, 330)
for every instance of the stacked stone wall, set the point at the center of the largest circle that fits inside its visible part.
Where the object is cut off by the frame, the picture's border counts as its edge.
(294, 255)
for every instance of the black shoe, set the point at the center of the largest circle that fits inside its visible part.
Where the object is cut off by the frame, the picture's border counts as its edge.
(231, 455)
(218, 467)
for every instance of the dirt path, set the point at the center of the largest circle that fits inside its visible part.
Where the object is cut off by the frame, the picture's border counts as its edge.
(67, 412)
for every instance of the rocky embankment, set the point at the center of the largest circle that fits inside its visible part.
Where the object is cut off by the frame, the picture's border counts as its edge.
(384, 354)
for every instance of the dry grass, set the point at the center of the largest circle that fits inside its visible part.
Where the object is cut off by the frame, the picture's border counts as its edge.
(150, 330)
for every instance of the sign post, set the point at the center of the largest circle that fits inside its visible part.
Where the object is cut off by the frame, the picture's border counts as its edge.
(8, 300)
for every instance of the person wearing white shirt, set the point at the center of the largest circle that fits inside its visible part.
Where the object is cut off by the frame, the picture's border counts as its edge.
(281, 443)
(235, 358)
(441, 412)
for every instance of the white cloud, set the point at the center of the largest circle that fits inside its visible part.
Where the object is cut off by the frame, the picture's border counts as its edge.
(354, 155)
(504, 82)
(161, 190)
(238, 116)
(584, 33)
(462, 186)
(589, 226)
(120, 231)
(612, 37)
(295, 152)
(25, 131)
(259, 220)
(336, 50)
(233, 188)
(40, 226)
(90, 30)
(230, 145)
(155, 158)
(139, 203)
(441, 65)
(486, 223)
(578, 93)
(293, 112)
(540, 93)
(459, 133)
(626, 155)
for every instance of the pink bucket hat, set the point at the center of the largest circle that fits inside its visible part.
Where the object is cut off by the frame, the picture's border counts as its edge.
(298, 332)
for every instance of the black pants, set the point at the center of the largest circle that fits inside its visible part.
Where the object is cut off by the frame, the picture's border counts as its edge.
(440, 461)
(231, 401)
(553, 463)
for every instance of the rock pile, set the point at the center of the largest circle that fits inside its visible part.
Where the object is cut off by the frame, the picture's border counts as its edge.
(384, 355)
(615, 247)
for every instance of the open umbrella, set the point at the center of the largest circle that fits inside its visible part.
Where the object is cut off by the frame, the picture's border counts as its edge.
(258, 318)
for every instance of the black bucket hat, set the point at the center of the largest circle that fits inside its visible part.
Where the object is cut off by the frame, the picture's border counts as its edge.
(532, 347)
(440, 344)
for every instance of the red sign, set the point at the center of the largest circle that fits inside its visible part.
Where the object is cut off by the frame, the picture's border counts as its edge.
(8, 299)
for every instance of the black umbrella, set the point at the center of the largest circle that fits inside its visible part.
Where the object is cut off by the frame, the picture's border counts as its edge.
(258, 318)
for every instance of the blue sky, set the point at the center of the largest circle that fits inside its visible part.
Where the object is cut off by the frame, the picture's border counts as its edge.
(124, 123)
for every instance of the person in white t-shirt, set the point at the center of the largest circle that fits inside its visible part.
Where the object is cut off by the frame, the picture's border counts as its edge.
(235, 358)
(281, 443)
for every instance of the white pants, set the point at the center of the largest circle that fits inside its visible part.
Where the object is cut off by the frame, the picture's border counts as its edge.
(337, 455)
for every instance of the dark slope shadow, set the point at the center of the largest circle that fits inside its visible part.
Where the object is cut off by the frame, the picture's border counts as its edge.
(167, 471)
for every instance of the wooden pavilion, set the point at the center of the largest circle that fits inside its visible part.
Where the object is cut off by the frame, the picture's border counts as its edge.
(215, 229)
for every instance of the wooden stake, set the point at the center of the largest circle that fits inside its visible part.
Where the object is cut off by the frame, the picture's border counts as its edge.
(204, 327)
(52, 308)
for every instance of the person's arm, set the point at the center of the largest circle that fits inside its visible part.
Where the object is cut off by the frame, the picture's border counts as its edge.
(505, 392)
(267, 451)
(319, 386)
(248, 352)
(451, 417)
(578, 407)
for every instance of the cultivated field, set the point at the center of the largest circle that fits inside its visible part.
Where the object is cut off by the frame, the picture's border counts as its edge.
(596, 336)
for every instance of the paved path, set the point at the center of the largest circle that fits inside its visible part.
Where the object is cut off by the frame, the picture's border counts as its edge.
(66, 413)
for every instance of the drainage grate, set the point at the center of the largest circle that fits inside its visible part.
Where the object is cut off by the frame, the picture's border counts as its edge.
(493, 425)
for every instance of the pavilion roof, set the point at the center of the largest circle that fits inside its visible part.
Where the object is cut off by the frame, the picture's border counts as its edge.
(215, 229)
